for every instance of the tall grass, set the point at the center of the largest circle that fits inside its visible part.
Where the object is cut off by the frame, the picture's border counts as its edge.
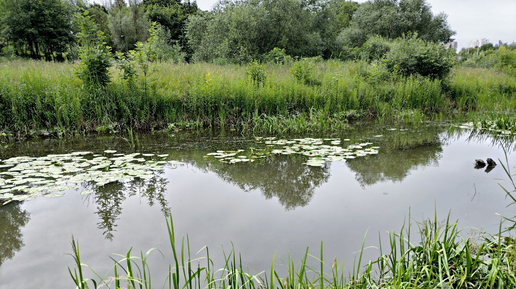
(37, 96)
(439, 259)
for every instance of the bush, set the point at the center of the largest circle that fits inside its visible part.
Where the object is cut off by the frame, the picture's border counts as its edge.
(303, 71)
(277, 56)
(375, 48)
(256, 73)
(94, 54)
(412, 56)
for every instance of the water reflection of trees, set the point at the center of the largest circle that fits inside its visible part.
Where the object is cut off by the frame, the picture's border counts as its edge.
(12, 220)
(399, 154)
(284, 177)
(109, 199)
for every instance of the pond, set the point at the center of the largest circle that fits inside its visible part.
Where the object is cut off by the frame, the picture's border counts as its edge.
(265, 197)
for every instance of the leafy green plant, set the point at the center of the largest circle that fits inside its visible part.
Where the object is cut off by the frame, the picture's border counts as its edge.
(256, 72)
(128, 67)
(304, 72)
(94, 54)
(277, 56)
(375, 48)
(413, 56)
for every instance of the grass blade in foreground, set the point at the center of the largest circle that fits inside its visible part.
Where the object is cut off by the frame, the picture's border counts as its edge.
(441, 259)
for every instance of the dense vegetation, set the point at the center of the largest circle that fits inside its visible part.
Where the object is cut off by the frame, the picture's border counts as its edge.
(306, 96)
(262, 66)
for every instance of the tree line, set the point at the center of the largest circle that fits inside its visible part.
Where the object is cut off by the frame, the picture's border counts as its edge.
(49, 29)
(234, 31)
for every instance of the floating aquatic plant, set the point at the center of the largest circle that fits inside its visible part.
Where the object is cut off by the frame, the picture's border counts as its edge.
(318, 150)
(25, 178)
(499, 126)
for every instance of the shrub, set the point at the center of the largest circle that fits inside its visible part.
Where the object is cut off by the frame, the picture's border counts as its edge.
(256, 73)
(303, 71)
(375, 48)
(277, 56)
(413, 56)
(94, 54)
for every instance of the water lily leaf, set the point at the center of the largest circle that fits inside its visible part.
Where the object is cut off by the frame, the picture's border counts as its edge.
(53, 195)
(81, 153)
(22, 198)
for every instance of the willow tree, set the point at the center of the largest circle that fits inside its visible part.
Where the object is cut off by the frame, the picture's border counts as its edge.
(128, 24)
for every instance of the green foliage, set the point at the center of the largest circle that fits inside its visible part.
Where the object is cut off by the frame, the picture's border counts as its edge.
(245, 30)
(502, 58)
(277, 56)
(159, 44)
(413, 56)
(144, 56)
(40, 29)
(393, 19)
(37, 95)
(375, 48)
(127, 65)
(99, 15)
(256, 73)
(94, 54)
(172, 16)
(304, 72)
(128, 25)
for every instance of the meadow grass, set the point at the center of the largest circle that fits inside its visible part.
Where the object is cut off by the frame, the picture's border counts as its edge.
(43, 97)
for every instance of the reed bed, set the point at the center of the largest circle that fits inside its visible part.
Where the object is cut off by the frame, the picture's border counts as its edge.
(47, 98)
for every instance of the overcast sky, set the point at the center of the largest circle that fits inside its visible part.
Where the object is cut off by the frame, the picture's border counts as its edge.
(471, 19)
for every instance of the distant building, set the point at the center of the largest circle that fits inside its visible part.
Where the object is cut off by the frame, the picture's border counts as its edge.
(452, 44)
(478, 43)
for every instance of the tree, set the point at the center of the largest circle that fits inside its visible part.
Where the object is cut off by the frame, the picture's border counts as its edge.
(330, 20)
(37, 28)
(172, 16)
(95, 55)
(99, 14)
(413, 56)
(393, 19)
(127, 24)
(246, 30)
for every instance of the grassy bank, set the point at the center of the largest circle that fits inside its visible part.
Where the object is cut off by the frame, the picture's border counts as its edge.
(47, 98)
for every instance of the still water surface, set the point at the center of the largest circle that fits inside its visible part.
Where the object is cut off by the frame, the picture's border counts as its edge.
(276, 205)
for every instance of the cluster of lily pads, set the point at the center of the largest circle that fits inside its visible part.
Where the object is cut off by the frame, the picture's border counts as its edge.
(501, 126)
(318, 150)
(25, 178)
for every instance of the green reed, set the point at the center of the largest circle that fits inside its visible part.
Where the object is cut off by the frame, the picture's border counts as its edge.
(438, 258)
(37, 96)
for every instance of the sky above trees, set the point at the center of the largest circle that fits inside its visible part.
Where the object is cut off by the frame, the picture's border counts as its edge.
(471, 19)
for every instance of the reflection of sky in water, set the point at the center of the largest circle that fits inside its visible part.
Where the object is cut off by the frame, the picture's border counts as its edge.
(215, 212)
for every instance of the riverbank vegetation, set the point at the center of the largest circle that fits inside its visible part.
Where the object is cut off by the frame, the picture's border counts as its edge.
(148, 65)
(47, 98)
